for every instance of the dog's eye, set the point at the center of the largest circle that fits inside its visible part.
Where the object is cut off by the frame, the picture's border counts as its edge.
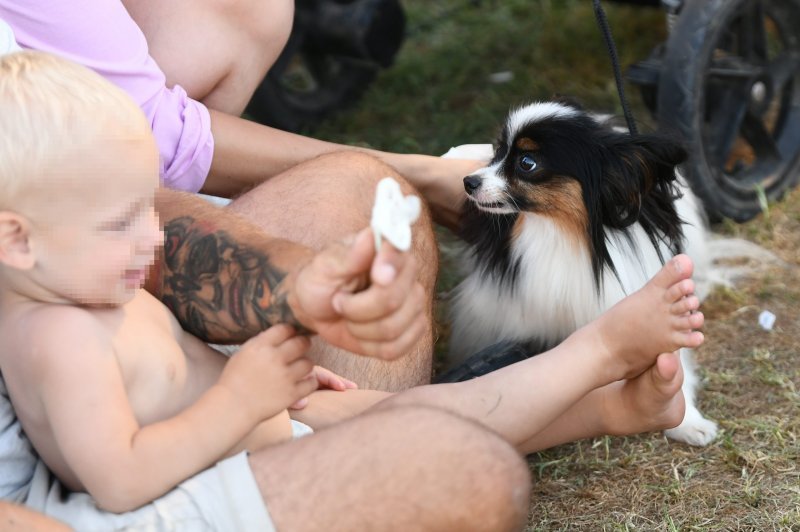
(527, 163)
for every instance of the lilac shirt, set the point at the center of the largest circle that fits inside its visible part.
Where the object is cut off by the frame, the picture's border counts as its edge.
(102, 36)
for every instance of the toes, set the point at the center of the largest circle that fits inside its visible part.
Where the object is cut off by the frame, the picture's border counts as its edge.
(678, 268)
(683, 266)
(666, 368)
(689, 338)
(685, 322)
(685, 305)
(679, 290)
(696, 320)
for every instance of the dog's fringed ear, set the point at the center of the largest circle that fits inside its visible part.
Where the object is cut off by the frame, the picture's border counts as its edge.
(638, 170)
(655, 159)
(641, 181)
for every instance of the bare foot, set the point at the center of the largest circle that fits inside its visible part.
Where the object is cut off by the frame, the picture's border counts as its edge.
(652, 401)
(658, 318)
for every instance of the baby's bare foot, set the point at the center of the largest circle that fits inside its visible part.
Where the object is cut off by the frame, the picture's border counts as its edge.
(652, 401)
(661, 317)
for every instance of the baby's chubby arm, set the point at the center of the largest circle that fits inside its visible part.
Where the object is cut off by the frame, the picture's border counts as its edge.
(94, 430)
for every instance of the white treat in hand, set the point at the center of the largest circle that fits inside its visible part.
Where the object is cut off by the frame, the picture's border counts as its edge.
(393, 214)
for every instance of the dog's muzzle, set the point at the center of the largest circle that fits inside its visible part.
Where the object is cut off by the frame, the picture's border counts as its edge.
(472, 183)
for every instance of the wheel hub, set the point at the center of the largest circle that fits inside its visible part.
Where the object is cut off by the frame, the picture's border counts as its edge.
(760, 95)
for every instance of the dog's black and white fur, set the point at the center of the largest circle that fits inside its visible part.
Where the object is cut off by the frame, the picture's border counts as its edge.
(569, 217)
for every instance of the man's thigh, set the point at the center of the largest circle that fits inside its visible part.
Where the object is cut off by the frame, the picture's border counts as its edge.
(407, 468)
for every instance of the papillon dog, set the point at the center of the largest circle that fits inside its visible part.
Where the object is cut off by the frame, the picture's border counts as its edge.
(569, 217)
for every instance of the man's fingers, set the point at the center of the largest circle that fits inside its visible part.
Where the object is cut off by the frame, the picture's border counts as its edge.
(393, 325)
(360, 258)
(379, 301)
(358, 255)
(393, 350)
(387, 264)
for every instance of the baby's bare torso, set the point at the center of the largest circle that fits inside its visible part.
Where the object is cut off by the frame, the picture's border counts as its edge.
(164, 369)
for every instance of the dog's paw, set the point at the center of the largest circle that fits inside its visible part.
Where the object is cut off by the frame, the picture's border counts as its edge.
(694, 430)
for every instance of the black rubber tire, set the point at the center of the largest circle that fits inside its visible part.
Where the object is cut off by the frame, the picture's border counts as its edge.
(335, 83)
(706, 94)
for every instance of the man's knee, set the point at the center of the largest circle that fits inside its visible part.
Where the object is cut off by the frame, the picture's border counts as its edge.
(348, 180)
(360, 167)
(265, 20)
(361, 173)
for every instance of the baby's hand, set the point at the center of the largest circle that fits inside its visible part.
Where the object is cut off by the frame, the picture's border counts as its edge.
(270, 372)
(327, 380)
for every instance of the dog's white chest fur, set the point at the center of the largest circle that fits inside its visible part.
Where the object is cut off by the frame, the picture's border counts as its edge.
(554, 291)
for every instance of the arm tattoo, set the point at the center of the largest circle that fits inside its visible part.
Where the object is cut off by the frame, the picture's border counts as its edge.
(220, 290)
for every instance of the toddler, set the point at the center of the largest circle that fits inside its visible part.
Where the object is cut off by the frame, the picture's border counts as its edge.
(117, 399)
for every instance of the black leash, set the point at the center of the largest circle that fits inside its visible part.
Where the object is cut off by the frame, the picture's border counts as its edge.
(602, 21)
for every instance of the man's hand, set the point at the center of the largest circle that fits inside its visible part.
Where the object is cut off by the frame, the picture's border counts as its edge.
(367, 304)
(444, 189)
(440, 181)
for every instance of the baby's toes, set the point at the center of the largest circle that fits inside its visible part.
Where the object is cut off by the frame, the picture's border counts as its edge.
(683, 306)
(696, 319)
(688, 338)
(678, 268)
(668, 374)
(687, 321)
(679, 290)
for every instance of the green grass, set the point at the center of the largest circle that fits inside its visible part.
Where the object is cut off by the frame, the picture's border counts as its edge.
(438, 95)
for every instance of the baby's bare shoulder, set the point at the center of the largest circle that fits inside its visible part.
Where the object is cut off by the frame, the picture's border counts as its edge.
(48, 331)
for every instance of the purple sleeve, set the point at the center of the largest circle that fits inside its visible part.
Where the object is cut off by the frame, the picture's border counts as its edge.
(102, 36)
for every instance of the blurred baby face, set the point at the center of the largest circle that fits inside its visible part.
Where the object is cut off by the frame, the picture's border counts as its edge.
(97, 235)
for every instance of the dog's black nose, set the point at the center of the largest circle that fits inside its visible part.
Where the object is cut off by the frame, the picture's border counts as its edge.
(472, 183)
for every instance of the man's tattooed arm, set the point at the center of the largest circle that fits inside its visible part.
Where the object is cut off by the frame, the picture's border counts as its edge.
(219, 289)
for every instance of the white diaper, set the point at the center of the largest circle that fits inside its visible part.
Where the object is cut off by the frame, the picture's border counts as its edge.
(222, 498)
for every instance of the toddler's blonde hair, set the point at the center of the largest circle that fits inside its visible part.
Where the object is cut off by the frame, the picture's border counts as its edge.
(49, 106)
